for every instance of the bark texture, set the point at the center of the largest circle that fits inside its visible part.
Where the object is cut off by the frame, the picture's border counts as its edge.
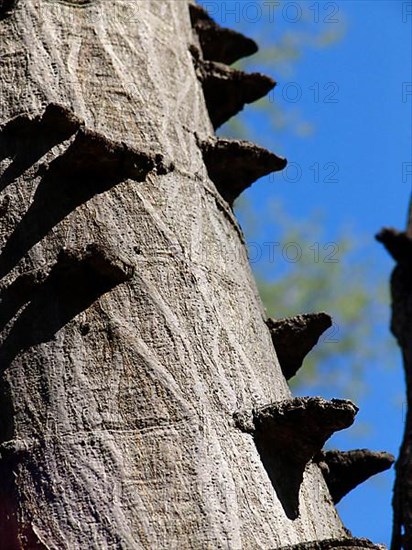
(132, 332)
(399, 245)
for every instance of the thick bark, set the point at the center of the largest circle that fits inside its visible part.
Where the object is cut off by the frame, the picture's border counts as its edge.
(132, 332)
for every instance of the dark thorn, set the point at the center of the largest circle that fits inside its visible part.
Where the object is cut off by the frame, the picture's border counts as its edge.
(299, 427)
(288, 434)
(234, 165)
(227, 90)
(343, 471)
(294, 337)
(397, 243)
(92, 164)
(93, 155)
(218, 43)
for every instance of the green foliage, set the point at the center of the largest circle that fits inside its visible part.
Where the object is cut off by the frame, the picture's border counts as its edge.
(303, 271)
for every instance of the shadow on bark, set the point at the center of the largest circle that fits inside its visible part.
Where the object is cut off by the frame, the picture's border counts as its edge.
(285, 476)
(8, 507)
(7, 7)
(13, 535)
(13, 297)
(91, 165)
(288, 434)
(44, 301)
(75, 282)
(26, 139)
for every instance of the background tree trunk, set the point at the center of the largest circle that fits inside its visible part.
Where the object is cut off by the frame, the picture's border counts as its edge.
(132, 332)
(399, 245)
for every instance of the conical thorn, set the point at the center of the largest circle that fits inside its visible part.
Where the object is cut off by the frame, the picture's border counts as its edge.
(79, 277)
(234, 165)
(294, 337)
(343, 471)
(288, 434)
(299, 427)
(218, 43)
(104, 263)
(227, 90)
(55, 124)
(92, 155)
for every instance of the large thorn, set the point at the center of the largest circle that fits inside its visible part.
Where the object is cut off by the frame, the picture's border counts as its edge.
(294, 337)
(299, 427)
(92, 164)
(330, 544)
(397, 243)
(102, 262)
(92, 155)
(234, 165)
(343, 471)
(288, 434)
(218, 43)
(227, 90)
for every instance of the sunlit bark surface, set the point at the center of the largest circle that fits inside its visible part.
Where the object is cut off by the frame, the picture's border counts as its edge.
(131, 326)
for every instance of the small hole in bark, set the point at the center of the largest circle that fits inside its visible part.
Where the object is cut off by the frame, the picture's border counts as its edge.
(84, 329)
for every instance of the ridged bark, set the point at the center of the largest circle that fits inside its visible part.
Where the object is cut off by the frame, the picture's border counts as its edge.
(132, 331)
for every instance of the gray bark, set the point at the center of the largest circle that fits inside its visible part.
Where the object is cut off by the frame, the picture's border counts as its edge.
(132, 328)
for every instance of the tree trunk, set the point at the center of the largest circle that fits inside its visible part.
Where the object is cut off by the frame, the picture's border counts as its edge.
(399, 245)
(142, 403)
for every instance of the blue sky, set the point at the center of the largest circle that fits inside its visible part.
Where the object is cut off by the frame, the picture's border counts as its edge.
(355, 167)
